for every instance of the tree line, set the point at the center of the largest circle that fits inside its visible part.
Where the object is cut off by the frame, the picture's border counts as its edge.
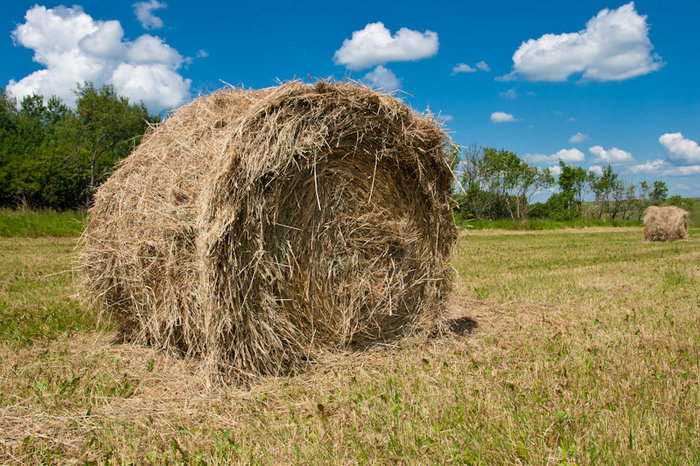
(496, 184)
(52, 156)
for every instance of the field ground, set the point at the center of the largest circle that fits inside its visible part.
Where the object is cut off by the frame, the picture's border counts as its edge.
(34, 224)
(570, 346)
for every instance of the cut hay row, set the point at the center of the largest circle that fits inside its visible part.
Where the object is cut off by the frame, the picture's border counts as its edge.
(255, 228)
(668, 223)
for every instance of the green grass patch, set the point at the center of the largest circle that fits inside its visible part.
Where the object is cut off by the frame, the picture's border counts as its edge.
(532, 225)
(34, 224)
(37, 292)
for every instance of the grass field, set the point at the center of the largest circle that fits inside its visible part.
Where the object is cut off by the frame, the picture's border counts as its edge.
(34, 224)
(570, 346)
(546, 224)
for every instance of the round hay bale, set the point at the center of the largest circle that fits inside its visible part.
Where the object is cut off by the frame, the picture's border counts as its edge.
(254, 228)
(665, 224)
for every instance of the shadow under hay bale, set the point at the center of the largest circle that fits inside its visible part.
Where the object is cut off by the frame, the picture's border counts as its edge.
(462, 325)
(665, 224)
(254, 228)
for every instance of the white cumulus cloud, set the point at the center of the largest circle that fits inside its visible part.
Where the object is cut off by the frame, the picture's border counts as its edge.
(614, 46)
(660, 167)
(156, 84)
(463, 68)
(74, 48)
(578, 138)
(612, 156)
(144, 13)
(382, 79)
(375, 45)
(683, 171)
(649, 167)
(149, 49)
(681, 148)
(565, 155)
(483, 66)
(502, 117)
(597, 169)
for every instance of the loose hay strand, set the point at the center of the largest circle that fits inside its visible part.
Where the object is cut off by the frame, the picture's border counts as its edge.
(255, 228)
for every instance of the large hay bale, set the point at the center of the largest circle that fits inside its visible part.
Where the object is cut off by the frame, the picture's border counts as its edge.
(665, 224)
(253, 229)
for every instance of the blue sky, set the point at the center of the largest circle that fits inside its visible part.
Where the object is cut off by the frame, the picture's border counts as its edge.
(526, 76)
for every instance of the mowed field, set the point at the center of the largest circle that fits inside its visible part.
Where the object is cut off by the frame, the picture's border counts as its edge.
(567, 346)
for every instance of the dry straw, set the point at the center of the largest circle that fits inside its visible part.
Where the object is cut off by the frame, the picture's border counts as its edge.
(665, 224)
(255, 228)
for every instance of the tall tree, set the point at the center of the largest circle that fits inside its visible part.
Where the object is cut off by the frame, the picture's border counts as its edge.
(56, 111)
(504, 172)
(102, 130)
(572, 184)
(659, 191)
(530, 180)
(8, 137)
(8, 110)
(51, 156)
(477, 201)
(618, 197)
(630, 196)
(644, 190)
(498, 183)
(603, 187)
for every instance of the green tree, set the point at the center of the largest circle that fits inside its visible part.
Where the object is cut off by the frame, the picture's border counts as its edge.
(32, 107)
(658, 192)
(21, 148)
(8, 111)
(509, 178)
(604, 186)
(572, 183)
(498, 183)
(477, 201)
(103, 129)
(528, 181)
(686, 203)
(8, 139)
(630, 197)
(56, 112)
(52, 156)
(618, 197)
(644, 190)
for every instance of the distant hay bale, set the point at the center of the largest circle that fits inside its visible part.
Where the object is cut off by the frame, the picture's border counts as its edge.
(665, 224)
(255, 228)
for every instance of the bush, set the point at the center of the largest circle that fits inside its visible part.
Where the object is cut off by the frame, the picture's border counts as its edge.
(480, 204)
(538, 210)
(560, 205)
(686, 203)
